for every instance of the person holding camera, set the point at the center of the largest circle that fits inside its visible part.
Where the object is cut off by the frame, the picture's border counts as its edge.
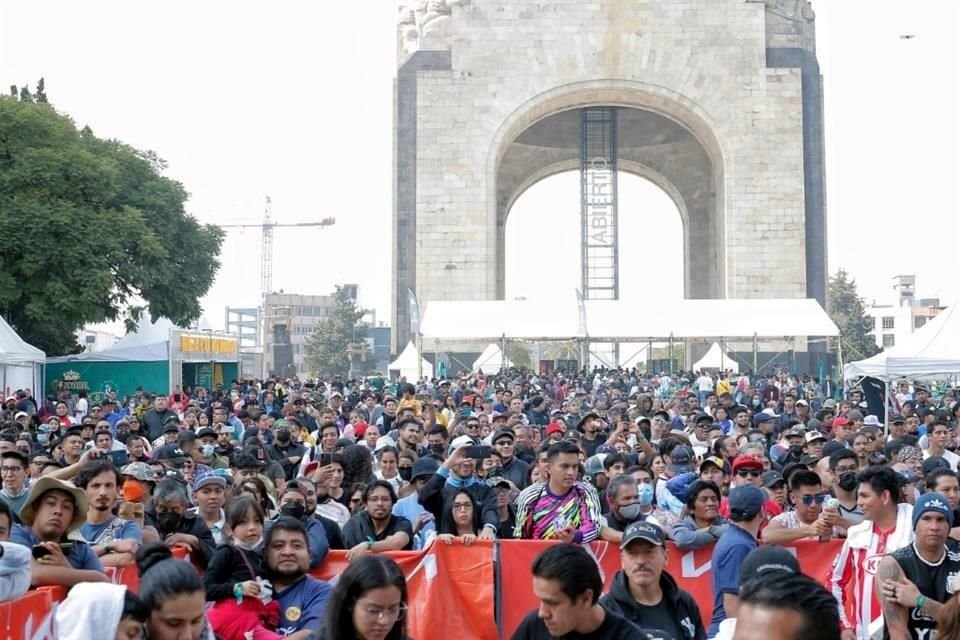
(459, 471)
(54, 509)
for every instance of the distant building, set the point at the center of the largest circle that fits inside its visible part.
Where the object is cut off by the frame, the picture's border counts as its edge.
(901, 316)
(94, 340)
(289, 318)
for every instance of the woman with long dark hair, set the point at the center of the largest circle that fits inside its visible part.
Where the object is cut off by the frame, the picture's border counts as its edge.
(173, 592)
(460, 519)
(369, 602)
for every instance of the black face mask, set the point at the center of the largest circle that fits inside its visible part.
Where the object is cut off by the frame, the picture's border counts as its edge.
(494, 472)
(283, 437)
(848, 481)
(438, 449)
(406, 473)
(168, 521)
(796, 449)
(295, 510)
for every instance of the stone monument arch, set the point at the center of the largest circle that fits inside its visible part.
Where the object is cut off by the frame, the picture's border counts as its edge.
(718, 102)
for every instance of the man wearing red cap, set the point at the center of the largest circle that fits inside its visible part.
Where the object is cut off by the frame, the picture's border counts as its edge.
(748, 469)
(841, 430)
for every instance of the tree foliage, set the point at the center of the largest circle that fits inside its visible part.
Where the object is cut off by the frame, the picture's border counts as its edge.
(92, 230)
(519, 356)
(846, 310)
(326, 348)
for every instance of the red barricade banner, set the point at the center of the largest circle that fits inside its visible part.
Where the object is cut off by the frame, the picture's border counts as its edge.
(691, 569)
(32, 616)
(453, 580)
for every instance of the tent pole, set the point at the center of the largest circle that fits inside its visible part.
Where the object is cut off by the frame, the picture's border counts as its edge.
(419, 357)
(436, 357)
(670, 354)
(503, 351)
(840, 357)
(754, 354)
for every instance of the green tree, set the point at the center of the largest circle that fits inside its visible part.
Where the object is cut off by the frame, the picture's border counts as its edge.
(845, 307)
(519, 356)
(92, 231)
(326, 348)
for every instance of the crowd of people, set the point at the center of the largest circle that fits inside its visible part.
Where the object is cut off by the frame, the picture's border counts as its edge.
(223, 501)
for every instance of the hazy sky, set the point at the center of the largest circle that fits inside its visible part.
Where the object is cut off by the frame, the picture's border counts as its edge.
(294, 100)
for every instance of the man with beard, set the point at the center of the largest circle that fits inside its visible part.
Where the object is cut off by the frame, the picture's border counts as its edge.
(114, 540)
(302, 598)
(645, 594)
(375, 528)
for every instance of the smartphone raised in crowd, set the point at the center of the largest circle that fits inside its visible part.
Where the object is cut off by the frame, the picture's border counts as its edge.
(477, 452)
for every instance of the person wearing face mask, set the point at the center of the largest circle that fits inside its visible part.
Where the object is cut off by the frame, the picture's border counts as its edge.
(293, 504)
(843, 469)
(622, 495)
(176, 527)
(234, 580)
(208, 449)
(702, 525)
(437, 441)
(286, 449)
(409, 507)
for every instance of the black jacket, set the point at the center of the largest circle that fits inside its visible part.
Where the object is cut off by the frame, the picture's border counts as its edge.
(680, 605)
(437, 493)
(190, 524)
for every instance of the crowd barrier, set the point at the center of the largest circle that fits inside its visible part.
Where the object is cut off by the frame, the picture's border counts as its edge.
(453, 590)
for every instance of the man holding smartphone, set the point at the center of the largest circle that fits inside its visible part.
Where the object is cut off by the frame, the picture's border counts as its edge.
(458, 471)
(54, 508)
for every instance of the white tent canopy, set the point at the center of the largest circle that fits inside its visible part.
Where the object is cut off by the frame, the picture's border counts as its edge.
(932, 350)
(21, 364)
(491, 361)
(405, 366)
(717, 360)
(149, 343)
(624, 321)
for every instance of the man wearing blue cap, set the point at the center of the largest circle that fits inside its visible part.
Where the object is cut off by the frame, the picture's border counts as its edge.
(734, 545)
(915, 581)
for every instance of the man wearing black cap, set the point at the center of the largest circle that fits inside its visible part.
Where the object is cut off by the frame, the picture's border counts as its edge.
(740, 538)
(514, 469)
(645, 594)
(914, 582)
(409, 507)
(766, 564)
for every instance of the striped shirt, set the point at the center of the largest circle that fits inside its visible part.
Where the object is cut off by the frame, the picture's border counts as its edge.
(540, 513)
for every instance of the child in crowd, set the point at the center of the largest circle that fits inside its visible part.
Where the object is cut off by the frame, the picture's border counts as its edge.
(234, 579)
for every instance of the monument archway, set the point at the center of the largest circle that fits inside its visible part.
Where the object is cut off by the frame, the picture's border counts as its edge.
(651, 145)
(718, 103)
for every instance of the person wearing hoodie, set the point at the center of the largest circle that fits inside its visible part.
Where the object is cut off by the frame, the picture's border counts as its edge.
(107, 611)
(645, 594)
(15, 559)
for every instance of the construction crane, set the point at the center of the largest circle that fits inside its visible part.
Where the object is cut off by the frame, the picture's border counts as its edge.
(266, 252)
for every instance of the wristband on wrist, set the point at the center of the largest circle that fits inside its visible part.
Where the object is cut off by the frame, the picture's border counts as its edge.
(921, 600)
(370, 541)
(238, 592)
(105, 544)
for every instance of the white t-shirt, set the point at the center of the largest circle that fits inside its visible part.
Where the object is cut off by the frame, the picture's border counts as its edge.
(949, 456)
(81, 409)
(705, 383)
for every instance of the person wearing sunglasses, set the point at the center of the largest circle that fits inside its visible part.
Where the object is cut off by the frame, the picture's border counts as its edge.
(748, 470)
(809, 519)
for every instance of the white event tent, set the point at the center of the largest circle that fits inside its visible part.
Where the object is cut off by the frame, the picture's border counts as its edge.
(624, 321)
(715, 359)
(931, 351)
(21, 364)
(405, 366)
(491, 361)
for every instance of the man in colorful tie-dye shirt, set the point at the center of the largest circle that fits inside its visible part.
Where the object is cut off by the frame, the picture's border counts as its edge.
(562, 508)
